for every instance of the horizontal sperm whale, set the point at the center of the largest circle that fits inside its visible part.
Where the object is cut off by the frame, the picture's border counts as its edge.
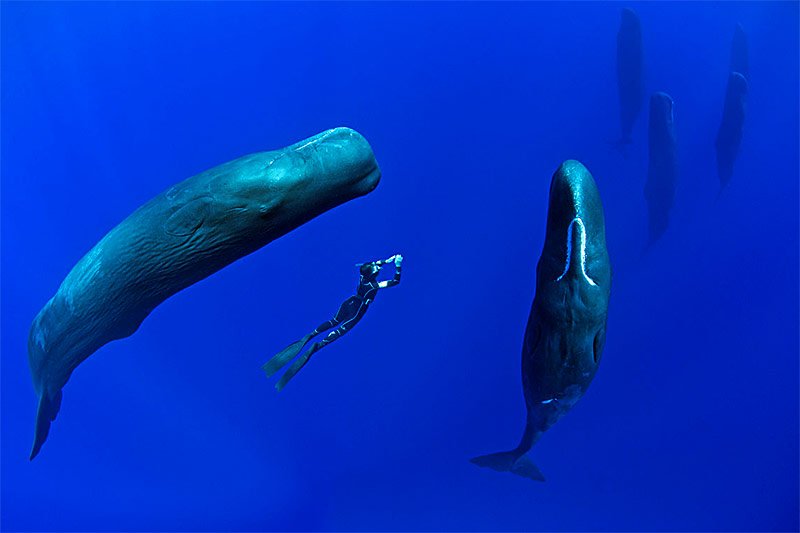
(566, 328)
(180, 237)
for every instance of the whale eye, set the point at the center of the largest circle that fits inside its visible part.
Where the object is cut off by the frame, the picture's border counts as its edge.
(597, 346)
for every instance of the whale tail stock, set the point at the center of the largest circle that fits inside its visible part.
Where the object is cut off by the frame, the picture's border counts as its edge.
(46, 413)
(510, 461)
(515, 461)
(622, 145)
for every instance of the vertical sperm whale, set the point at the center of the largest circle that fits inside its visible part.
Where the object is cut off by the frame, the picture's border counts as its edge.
(662, 166)
(630, 72)
(566, 329)
(740, 58)
(729, 136)
(182, 236)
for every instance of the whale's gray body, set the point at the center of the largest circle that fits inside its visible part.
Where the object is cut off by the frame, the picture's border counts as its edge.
(566, 328)
(740, 57)
(729, 136)
(630, 72)
(183, 235)
(662, 167)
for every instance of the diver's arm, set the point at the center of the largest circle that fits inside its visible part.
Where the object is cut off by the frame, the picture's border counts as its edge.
(382, 262)
(398, 262)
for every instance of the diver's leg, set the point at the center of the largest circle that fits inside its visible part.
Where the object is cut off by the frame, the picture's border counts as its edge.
(345, 311)
(325, 326)
(329, 338)
(286, 355)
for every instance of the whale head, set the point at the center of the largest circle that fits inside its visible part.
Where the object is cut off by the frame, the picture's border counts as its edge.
(573, 286)
(287, 187)
(575, 241)
(661, 108)
(324, 171)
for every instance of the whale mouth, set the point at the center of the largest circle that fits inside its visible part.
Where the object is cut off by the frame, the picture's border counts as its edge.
(370, 179)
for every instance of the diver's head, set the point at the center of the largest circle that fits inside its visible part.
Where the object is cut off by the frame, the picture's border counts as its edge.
(369, 270)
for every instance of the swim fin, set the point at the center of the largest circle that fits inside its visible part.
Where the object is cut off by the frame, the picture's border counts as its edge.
(512, 462)
(294, 369)
(278, 361)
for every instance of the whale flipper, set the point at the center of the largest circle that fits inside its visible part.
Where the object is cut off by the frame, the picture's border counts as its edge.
(46, 413)
(520, 465)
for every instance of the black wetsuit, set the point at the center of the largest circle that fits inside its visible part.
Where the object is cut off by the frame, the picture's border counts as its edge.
(352, 309)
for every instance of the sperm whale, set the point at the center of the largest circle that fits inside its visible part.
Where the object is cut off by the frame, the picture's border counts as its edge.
(731, 128)
(182, 236)
(662, 165)
(566, 329)
(630, 72)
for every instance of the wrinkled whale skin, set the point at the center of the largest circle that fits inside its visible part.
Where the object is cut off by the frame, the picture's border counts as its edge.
(180, 237)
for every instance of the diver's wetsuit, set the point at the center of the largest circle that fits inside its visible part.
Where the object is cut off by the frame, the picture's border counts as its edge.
(349, 313)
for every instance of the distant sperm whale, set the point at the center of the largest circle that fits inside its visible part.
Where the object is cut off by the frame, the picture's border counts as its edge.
(729, 136)
(181, 236)
(630, 72)
(662, 168)
(567, 324)
(740, 58)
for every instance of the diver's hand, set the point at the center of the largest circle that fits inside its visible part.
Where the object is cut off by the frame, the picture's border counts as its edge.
(398, 260)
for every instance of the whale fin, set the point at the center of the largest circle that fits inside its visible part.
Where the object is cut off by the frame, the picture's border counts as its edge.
(46, 413)
(512, 462)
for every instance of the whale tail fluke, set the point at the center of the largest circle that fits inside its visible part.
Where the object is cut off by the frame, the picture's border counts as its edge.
(512, 461)
(622, 146)
(48, 409)
(286, 355)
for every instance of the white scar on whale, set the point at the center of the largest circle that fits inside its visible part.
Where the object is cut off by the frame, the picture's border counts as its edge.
(579, 222)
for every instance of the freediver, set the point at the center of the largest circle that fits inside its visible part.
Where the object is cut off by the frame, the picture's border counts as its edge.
(348, 315)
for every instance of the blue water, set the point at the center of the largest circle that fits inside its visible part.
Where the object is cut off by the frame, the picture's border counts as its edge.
(692, 420)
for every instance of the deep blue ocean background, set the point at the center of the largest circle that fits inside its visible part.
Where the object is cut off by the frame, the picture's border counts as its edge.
(692, 420)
